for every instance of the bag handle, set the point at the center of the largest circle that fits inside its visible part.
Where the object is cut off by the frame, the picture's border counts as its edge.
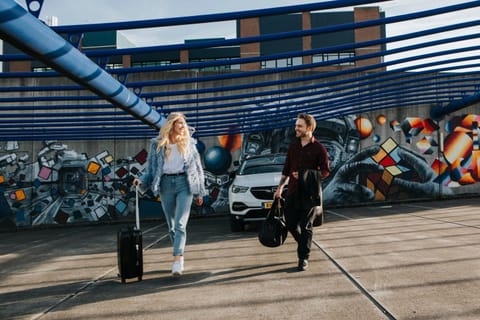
(137, 210)
(278, 203)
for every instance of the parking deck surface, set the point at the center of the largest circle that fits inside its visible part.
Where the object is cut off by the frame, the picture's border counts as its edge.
(416, 260)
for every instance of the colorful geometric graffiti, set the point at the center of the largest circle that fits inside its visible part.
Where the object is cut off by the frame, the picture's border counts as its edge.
(457, 162)
(461, 164)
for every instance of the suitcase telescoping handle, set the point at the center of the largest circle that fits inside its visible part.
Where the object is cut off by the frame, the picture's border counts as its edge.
(137, 210)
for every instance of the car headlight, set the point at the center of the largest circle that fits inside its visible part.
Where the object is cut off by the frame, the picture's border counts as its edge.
(239, 189)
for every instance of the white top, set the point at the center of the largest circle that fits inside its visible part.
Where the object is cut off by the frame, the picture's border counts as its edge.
(174, 163)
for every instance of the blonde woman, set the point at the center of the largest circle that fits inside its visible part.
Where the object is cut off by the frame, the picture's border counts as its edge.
(174, 171)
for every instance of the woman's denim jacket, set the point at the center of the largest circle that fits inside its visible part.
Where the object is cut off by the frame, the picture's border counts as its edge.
(192, 167)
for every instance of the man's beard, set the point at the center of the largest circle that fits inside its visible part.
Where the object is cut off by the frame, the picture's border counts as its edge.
(300, 134)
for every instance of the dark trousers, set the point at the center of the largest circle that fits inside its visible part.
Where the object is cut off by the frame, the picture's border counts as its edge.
(300, 224)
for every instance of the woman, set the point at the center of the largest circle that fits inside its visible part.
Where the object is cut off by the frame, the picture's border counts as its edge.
(174, 171)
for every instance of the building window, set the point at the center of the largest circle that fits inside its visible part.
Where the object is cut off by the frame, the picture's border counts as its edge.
(153, 63)
(216, 68)
(332, 56)
(113, 66)
(281, 63)
(42, 69)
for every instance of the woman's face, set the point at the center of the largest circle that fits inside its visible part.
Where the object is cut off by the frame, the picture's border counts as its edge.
(179, 127)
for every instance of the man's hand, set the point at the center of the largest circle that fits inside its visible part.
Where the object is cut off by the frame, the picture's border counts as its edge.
(278, 193)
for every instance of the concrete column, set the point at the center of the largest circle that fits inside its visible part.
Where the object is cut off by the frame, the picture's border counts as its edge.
(127, 61)
(184, 56)
(365, 34)
(306, 41)
(19, 66)
(248, 28)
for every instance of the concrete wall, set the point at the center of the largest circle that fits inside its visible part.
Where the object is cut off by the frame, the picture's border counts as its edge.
(395, 156)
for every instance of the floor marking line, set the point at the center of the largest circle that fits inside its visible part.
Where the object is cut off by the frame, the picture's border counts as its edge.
(357, 284)
(95, 280)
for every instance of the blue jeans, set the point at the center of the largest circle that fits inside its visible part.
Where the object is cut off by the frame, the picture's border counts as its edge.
(176, 200)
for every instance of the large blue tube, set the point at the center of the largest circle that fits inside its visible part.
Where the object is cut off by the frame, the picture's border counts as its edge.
(32, 36)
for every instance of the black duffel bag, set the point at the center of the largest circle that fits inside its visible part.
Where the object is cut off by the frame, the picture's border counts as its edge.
(273, 231)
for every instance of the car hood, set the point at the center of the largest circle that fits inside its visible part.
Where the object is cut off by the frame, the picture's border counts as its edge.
(258, 179)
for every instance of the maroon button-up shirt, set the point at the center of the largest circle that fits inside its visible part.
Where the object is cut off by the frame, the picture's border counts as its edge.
(311, 156)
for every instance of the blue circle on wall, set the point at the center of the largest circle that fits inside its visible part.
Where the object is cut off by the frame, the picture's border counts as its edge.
(217, 160)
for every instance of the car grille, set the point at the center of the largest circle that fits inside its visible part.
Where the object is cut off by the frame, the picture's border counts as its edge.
(264, 193)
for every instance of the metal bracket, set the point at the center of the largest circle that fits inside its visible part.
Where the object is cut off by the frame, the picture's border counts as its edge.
(34, 7)
(137, 90)
(103, 62)
(75, 39)
(122, 78)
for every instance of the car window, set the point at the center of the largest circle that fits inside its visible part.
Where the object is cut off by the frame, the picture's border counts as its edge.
(262, 165)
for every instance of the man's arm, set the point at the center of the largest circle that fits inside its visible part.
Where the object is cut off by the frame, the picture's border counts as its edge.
(281, 185)
(324, 162)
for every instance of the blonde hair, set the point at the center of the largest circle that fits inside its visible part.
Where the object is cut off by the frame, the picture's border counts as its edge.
(183, 140)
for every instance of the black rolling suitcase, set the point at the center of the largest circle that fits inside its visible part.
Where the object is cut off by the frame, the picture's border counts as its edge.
(129, 249)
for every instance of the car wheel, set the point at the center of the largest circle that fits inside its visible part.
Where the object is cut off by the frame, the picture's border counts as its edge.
(236, 225)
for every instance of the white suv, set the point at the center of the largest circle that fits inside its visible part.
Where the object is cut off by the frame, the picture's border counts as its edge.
(250, 195)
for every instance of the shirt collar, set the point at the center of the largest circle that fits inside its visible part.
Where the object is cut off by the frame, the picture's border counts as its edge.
(312, 140)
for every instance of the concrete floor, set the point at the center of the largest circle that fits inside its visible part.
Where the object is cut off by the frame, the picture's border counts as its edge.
(405, 261)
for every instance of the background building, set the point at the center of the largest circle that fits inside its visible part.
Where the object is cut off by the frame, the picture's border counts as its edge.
(245, 28)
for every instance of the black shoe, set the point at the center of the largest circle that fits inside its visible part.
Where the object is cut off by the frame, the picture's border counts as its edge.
(302, 264)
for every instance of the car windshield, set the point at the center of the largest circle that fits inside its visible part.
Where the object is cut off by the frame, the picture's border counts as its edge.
(262, 165)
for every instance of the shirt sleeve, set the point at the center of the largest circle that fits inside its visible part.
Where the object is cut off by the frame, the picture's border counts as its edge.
(324, 162)
(287, 166)
(150, 170)
(200, 174)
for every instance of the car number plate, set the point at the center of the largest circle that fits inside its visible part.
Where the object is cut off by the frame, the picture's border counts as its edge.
(267, 205)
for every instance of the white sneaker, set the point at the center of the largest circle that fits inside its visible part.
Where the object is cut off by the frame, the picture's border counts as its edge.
(177, 268)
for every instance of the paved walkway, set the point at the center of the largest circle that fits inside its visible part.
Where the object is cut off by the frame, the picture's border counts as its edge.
(405, 261)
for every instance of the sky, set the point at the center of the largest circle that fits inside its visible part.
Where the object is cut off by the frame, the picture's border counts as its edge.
(72, 12)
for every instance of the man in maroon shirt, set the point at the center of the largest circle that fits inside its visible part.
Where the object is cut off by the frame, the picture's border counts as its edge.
(304, 154)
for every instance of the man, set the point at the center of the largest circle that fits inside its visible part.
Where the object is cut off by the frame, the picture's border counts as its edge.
(305, 155)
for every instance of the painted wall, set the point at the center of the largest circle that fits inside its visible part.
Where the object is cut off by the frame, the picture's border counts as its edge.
(387, 155)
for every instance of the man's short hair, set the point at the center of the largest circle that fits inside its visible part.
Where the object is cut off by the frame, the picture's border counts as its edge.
(309, 120)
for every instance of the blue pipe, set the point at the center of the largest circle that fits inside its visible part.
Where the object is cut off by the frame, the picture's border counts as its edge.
(32, 36)
(438, 112)
(238, 127)
(284, 69)
(262, 38)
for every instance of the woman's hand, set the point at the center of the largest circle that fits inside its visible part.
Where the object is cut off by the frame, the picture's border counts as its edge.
(199, 201)
(137, 182)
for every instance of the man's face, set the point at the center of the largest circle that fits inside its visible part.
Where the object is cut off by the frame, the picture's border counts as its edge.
(301, 128)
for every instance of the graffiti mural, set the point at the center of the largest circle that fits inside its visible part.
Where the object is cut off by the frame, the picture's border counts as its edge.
(63, 186)
(373, 158)
(370, 167)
